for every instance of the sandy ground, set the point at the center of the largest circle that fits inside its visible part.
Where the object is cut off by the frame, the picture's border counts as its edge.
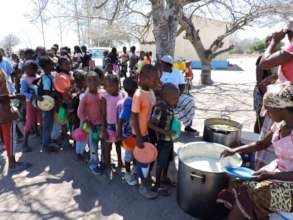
(58, 187)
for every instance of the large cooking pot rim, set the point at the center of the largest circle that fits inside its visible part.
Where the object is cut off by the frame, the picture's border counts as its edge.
(222, 121)
(234, 160)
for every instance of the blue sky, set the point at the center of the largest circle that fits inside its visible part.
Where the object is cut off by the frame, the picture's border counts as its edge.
(14, 21)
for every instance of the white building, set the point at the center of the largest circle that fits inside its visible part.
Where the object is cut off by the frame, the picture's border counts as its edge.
(209, 30)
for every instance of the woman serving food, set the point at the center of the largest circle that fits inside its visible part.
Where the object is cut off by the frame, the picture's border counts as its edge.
(271, 190)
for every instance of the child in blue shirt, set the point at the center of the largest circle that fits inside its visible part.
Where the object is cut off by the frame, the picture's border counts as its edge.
(45, 87)
(124, 129)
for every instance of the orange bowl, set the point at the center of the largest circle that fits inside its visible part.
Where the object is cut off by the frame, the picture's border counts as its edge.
(62, 82)
(129, 143)
(146, 155)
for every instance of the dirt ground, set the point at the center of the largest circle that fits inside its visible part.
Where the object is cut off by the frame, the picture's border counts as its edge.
(58, 187)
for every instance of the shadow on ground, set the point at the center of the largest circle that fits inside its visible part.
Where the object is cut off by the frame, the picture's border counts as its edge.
(58, 187)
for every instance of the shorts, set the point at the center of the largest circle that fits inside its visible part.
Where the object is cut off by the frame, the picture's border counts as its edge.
(165, 153)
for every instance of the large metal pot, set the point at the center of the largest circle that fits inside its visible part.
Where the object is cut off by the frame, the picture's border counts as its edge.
(229, 138)
(200, 182)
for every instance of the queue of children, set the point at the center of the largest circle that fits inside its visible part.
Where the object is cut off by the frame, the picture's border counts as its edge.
(86, 106)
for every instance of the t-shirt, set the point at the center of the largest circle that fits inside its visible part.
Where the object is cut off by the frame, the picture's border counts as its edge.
(163, 114)
(133, 60)
(287, 68)
(90, 108)
(140, 65)
(142, 104)
(6, 66)
(25, 86)
(124, 58)
(124, 108)
(175, 77)
(111, 106)
(47, 82)
(85, 59)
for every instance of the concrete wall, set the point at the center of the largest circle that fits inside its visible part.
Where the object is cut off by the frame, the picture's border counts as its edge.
(209, 30)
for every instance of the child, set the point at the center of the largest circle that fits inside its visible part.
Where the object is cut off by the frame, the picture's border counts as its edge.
(89, 112)
(65, 98)
(148, 58)
(133, 59)
(188, 75)
(124, 130)
(79, 87)
(33, 115)
(110, 100)
(161, 122)
(45, 87)
(142, 104)
(8, 123)
(141, 61)
(271, 190)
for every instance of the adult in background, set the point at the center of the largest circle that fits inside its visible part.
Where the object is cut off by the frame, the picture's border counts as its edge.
(259, 90)
(283, 59)
(40, 52)
(133, 60)
(5, 64)
(86, 58)
(124, 60)
(114, 60)
(185, 107)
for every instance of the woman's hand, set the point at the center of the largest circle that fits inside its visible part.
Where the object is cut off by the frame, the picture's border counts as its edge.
(264, 175)
(278, 36)
(227, 153)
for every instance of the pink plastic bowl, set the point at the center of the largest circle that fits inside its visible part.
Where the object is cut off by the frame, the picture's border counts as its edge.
(79, 135)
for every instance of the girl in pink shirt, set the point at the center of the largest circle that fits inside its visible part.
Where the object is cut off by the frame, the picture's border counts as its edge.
(89, 112)
(110, 99)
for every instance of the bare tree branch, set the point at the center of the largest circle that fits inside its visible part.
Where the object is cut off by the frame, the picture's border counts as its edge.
(217, 53)
(101, 5)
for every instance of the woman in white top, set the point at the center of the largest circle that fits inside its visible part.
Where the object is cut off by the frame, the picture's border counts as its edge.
(186, 107)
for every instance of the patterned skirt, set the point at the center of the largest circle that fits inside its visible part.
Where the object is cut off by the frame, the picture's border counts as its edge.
(256, 200)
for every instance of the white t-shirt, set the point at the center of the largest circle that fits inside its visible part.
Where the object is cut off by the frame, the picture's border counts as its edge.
(175, 77)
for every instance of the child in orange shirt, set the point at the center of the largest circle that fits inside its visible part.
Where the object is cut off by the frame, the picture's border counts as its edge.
(143, 101)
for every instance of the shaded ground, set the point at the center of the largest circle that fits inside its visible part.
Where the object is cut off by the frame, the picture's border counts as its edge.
(58, 187)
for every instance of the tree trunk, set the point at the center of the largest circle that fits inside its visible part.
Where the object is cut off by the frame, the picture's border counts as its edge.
(206, 76)
(165, 24)
(77, 21)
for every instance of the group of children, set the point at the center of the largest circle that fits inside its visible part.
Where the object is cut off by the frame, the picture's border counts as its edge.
(96, 103)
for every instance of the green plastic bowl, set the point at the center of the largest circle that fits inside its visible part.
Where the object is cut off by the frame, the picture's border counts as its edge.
(61, 114)
(176, 127)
